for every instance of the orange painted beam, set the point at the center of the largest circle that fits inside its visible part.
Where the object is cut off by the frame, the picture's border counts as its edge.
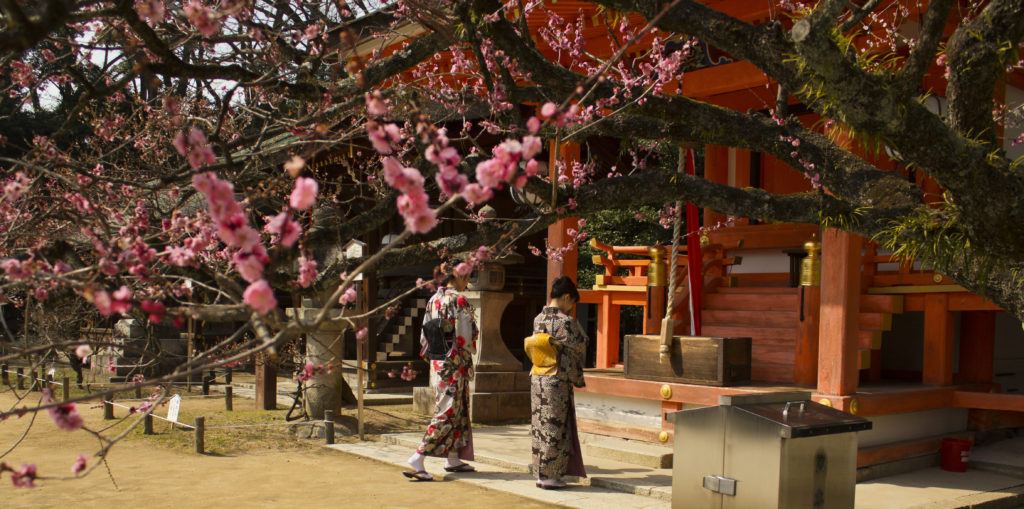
(668, 407)
(989, 401)
(805, 363)
(613, 383)
(959, 301)
(840, 301)
(977, 346)
(937, 363)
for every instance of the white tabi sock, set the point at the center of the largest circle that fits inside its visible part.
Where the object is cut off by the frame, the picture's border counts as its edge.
(416, 462)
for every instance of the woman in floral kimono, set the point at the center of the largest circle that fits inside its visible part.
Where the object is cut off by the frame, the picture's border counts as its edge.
(449, 342)
(556, 446)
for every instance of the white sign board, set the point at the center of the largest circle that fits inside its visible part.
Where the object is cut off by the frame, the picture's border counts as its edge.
(173, 407)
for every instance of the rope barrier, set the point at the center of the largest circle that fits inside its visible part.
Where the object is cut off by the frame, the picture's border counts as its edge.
(151, 415)
(54, 382)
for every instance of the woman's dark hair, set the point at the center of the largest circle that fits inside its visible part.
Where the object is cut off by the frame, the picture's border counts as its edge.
(562, 285)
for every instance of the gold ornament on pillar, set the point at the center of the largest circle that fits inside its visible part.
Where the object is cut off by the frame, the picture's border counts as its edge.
(657, 271)
(810, 266)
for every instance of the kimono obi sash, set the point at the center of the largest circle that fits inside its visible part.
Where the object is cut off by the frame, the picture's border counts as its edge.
(542, 354)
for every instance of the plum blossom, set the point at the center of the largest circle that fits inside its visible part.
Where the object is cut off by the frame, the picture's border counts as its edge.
(362, 333)
(79, 465)
(195, 148)
(304, 194)
(260, 297)
(405, 180)
(376, 105)
(23, 477)
(15, 269)
(311, 370)
(307, 271)
(83, 350)
(121, 302)
(348, 297)
(419, 218)
(181, 256)
(477, 194)
(283, 225)
(249, 263)
(155, 310)
(463, 269)
(65, 416)
(204, 18)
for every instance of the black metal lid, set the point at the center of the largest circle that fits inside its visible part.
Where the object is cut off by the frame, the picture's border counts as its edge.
(799, 419)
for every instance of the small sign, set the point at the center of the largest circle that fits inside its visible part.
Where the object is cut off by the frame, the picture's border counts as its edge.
(173, 407)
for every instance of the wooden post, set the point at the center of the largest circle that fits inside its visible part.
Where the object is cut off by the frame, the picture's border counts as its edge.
(20, 373)
(66, 388)
(329, 426)
(838, 369)
(206, 386)
(200, 435)
(138, 392)
(108, 410)
(147, 425)
(266, 382)
(608, 330)
(228, 402)
(4, 378)
(33, 381)
(977, 346)
(227, 376)
(937, 362)
(359, 395)
(805, 364)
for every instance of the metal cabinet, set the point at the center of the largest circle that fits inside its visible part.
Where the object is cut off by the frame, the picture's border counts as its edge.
(762, 451)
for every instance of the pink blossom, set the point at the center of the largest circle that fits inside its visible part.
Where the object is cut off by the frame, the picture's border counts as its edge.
(362, 333)
(463, 269)
(194, 147)
(304, 194)
(531, 167)
(348, 297)
(477, 194)
(483, 253)
(260, 297)
(122, 300)
(15, 269)
(450, 181)
(405, 180)
(154, 309)
(79, 465)
(181, 256)
(24, 476)
(83, 351)
(111, 366)
(533, 125)
(66, 417)
(101, 299)
(40, 293)
(548, 109)
(422, 222)
(375, 104)
(203, 17)
(307, 271)
(249, 263)
(531, 146)
(283, 225)
(153, 11)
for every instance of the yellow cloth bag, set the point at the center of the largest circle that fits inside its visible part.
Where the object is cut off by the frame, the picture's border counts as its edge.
(542, 354)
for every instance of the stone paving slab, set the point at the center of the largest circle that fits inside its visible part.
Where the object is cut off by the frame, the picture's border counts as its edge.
(498, 478)
(939, 489)
(1005, 457)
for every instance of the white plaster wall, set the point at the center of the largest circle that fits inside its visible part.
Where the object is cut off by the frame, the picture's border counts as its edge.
(1014, 98)
(618, 410)
(887, 429)
(760, 260)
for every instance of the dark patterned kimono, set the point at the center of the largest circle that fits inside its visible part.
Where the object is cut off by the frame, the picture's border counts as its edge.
(449, 429)
(556, 445)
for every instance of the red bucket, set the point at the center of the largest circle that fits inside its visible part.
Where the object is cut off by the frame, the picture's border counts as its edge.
(955, 453)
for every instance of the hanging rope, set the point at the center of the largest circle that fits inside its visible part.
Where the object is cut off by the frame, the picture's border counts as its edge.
(673, 265)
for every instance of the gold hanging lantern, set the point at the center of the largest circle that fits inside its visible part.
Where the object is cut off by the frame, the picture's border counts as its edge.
(810, 266)
(657, 270)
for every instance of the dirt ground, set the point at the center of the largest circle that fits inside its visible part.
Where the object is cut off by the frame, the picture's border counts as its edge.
(244, 467)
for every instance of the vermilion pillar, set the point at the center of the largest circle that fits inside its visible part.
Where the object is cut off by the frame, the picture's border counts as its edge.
(937, 362)
(977, 346)
(839, 309)
(557, 236)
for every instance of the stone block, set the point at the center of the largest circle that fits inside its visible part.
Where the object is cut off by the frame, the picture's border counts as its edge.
(494, 407)
(423, 400)
(522, 381)
(495, 381)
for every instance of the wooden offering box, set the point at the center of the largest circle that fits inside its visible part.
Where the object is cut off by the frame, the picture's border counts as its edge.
(694, 360)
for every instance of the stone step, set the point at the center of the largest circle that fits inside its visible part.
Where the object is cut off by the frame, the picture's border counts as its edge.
(627, 451)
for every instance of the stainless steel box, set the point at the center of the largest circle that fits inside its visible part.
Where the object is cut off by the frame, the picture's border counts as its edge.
(763, 451)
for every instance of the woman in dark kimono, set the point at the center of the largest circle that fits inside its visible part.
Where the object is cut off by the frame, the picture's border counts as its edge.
(451, 369)
(556, 446)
